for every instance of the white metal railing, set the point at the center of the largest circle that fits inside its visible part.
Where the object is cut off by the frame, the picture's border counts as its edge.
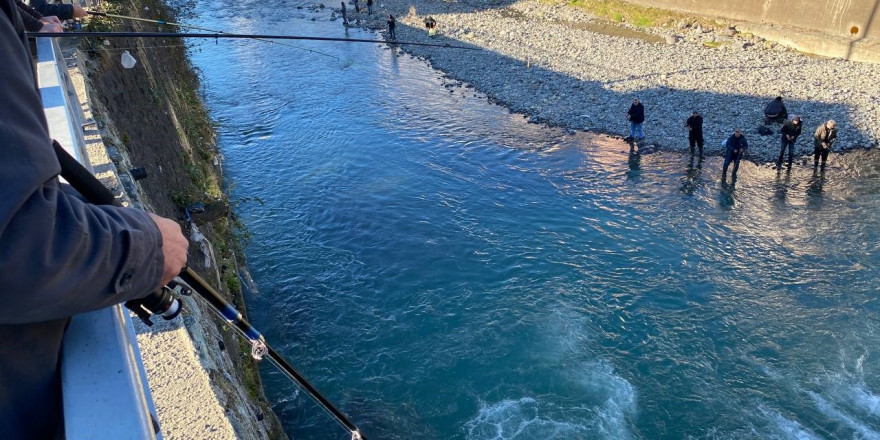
(105, 390)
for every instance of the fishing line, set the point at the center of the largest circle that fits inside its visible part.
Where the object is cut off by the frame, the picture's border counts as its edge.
(109, 49)
(187, 26)
(217, 36)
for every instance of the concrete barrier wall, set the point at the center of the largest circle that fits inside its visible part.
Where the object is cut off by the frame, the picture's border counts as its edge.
(838, 18)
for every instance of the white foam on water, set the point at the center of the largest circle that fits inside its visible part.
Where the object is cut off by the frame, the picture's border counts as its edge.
(620, 400)
(520, 419)
(833, 412)
(784, 428)
(864, 399)
(609, 406)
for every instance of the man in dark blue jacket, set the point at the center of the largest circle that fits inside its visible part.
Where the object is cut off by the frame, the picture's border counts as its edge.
(59, 256)
(790, 132)
(636, 116)
(736, 147)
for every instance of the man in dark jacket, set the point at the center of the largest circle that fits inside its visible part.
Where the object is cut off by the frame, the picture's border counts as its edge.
(775, 111)
(636, 116)
(391, 25)
(694, 125)
(736, 147)
(823, 138)
(344, 15)
(59, 256)
(790, 132)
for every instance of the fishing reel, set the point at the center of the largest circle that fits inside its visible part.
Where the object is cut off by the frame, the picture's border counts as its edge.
(162, 302)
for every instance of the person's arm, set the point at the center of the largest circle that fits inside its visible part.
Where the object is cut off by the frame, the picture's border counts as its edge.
(63, 12)
(59, 255)
(29, 17)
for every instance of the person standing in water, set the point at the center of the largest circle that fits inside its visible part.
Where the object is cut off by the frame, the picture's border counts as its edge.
(736, 148)
(636, 116)
(694, 125)
(790, 132)
(824, 137)
(344, 15)
(391, 25)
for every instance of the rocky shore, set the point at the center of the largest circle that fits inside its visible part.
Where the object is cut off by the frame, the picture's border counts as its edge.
(561, 66)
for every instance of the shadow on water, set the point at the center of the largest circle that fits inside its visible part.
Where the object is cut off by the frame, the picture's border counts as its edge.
(814, 189)
(692, 176)
(634, 161)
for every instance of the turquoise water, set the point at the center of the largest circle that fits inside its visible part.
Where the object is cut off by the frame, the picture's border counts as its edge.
(442, 269)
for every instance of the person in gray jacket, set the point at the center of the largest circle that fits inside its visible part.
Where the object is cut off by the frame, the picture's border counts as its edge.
(59, 256)
(823, 138)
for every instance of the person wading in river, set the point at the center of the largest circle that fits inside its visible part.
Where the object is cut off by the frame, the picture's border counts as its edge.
(790, 132)
(391, 26)
(694, 125)
(344, 15)
(824, 137)
(636, 116)
(736, 148)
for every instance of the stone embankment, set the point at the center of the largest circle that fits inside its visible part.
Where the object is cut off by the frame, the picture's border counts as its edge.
(559, 65)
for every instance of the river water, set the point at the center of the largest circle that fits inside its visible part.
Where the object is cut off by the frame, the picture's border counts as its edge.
(442, 269)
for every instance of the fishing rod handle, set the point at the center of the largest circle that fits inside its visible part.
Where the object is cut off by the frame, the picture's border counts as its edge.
(158, 302)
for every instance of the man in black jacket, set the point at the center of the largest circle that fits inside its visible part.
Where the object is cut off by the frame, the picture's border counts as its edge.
(59, 256)
(694, 125)
(775, 111)
(636, 116)
(790, 132)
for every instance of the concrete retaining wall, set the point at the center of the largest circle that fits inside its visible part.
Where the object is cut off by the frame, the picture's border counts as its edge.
(839, 28)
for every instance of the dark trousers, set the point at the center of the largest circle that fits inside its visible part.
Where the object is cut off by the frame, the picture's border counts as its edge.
(731, 158)
(696, 140)
(369, 9)
(790, 145)
(819, 151)
(391, 33)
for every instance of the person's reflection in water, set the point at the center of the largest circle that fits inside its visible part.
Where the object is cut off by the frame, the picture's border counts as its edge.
(634, 161)
(781, 185)
(814, 189)
(726, 197)
(395, 66)
(692, 176)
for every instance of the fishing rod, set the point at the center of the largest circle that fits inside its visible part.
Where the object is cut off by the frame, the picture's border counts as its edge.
(161, 301)
(234, 36)
(188, 26)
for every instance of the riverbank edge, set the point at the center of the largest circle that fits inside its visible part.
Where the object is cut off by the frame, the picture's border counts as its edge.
(537, 104)
(152, 117)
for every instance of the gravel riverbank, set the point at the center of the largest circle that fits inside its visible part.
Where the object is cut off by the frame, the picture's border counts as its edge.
(560, 66)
